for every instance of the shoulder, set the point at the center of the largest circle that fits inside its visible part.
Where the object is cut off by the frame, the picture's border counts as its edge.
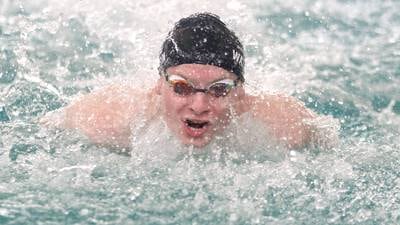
(105, 114)
(117, 100)
(283, 115)
(270, 104)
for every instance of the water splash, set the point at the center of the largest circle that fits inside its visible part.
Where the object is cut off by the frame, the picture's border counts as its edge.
(339, 57)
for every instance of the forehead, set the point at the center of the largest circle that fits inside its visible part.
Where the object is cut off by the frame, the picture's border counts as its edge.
(200, 72)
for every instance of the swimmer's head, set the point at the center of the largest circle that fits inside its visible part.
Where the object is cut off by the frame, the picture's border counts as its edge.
(202, 39)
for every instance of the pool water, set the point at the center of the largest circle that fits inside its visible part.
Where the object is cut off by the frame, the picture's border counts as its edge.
(340, 57)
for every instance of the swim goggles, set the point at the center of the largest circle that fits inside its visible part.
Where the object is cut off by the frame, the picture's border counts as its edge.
(183, 87)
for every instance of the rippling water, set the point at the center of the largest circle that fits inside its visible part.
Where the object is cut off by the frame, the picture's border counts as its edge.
(340, 57)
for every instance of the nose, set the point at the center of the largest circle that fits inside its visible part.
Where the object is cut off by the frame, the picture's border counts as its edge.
(200, 103)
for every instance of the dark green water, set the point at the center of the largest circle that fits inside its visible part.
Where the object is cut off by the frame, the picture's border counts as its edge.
(341, 58)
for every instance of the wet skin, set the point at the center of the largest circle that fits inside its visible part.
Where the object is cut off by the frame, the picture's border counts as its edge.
(106, 116)
(196, 118)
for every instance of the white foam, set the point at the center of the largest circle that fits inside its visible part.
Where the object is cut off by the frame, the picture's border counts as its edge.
(243, 139)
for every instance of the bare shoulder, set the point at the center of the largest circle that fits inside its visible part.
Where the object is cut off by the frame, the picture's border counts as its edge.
(119, 100)
(279, 107)
(104, 116)
(284, 116)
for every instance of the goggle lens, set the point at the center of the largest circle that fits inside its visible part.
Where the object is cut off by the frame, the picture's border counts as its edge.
(219, 89)
(184, 88)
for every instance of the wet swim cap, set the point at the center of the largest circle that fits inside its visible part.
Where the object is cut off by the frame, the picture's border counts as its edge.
(203, 39)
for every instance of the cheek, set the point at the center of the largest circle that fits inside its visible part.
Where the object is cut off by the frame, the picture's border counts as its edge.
(221, 110)
(172, 103)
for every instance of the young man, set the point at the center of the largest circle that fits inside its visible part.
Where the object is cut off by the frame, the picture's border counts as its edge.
(199, 92)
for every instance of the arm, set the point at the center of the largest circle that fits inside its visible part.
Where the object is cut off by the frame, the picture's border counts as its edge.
(104, 116)
(288, 120)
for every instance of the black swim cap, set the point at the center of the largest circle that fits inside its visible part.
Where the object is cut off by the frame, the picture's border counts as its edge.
(203, 39)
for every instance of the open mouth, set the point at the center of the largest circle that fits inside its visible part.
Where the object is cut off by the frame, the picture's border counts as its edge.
(196, 124)
(196, 129)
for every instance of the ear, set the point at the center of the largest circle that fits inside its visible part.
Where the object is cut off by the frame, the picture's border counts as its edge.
(159, 85)
(240, 92)
(241, 104)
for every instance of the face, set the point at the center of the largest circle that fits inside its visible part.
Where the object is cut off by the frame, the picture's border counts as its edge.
(196, 118)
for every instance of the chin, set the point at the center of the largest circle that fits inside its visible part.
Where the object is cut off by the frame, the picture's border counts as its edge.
(194, 139)
(196, 142)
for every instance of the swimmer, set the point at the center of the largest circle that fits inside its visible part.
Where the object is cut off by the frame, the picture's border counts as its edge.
(198, 94)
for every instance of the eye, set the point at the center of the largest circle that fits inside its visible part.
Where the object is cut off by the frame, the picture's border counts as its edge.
(179, 84)
(181, 87)
(220, 89)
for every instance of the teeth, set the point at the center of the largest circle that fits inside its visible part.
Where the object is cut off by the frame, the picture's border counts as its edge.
(195, 124)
